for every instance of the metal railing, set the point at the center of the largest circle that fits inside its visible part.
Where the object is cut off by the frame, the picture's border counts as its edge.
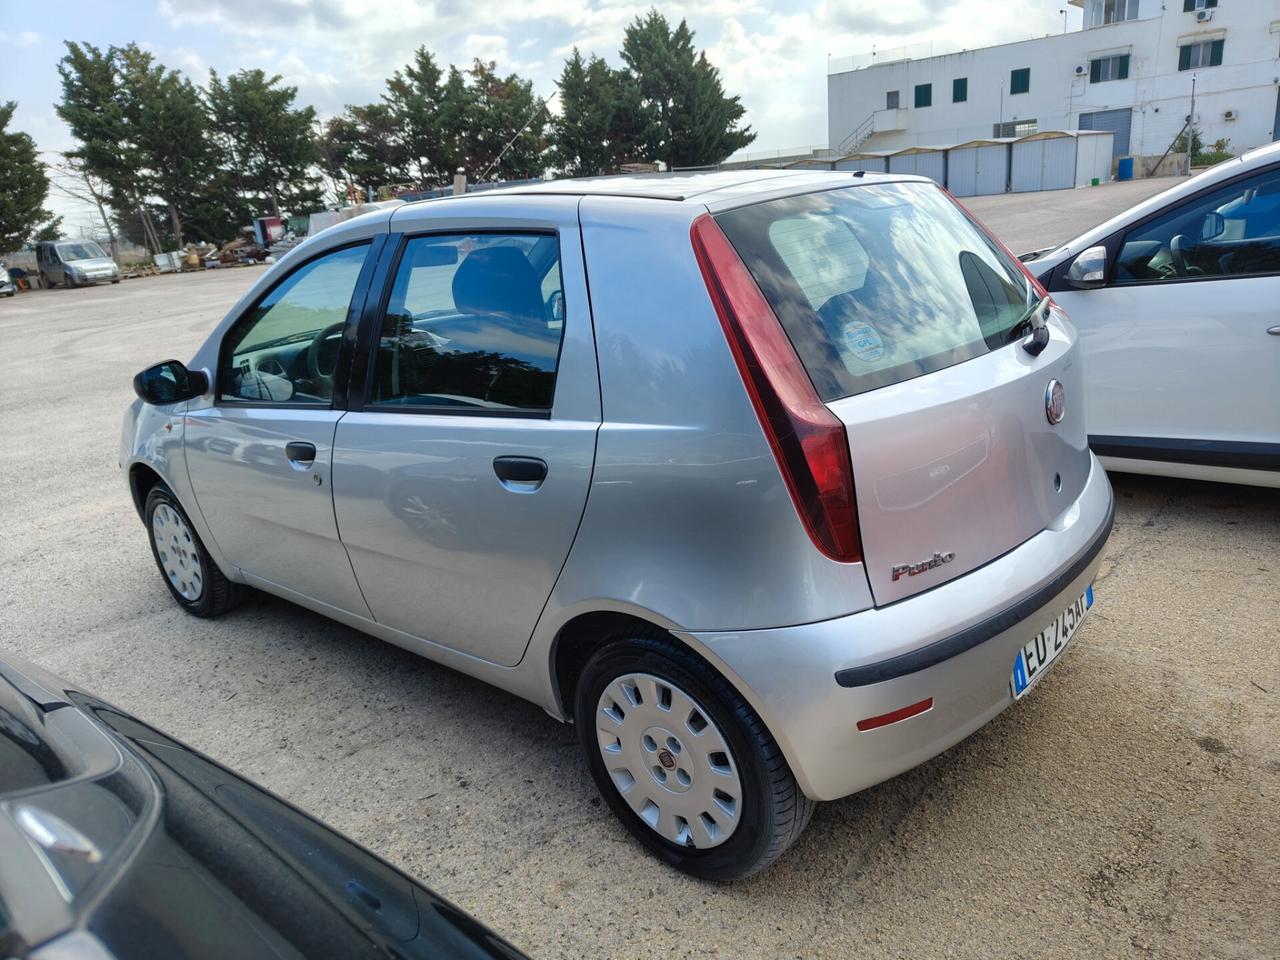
(860, 135)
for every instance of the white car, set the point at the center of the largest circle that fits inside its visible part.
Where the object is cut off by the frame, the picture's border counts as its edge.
(1177, 301)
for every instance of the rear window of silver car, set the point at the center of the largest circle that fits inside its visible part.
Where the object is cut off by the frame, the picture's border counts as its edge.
(879, 283)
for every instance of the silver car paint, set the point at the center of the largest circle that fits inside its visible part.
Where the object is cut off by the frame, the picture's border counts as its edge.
(787, 674)
(442, 549)
(931, 455)
(688, 524)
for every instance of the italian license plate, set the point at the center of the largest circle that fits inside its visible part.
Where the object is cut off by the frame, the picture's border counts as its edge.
(1037, 654)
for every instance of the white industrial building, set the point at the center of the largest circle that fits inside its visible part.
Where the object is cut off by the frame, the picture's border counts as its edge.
(1128, 70)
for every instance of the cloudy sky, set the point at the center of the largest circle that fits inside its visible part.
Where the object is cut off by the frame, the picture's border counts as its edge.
(773, 53)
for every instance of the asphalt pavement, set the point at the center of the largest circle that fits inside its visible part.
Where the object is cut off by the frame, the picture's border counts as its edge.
(1128, 807)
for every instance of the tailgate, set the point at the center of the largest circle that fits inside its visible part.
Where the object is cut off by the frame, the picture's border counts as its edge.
(958, 467)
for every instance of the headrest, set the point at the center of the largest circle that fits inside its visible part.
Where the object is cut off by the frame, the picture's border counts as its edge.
(498, 281)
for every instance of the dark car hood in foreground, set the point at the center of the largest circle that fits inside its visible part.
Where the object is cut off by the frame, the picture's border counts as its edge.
(149, 849)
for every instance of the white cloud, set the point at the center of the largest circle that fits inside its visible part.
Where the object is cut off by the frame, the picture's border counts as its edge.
(23, 38)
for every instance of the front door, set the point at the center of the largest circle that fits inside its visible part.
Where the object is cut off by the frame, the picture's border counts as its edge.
(460, 484)
(1182, 347)
(260, 456)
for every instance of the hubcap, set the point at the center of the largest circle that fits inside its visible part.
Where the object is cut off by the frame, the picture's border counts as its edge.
(669, 761)
(176, 548)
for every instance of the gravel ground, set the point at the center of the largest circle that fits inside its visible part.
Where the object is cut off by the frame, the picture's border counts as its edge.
(1128, 808)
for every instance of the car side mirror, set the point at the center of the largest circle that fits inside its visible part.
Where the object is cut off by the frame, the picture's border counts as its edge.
(1089, 269)
(1215, 225)
(169, 382)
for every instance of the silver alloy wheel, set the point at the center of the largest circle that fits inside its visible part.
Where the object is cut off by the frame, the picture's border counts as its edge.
(669, 760)
(176, 548)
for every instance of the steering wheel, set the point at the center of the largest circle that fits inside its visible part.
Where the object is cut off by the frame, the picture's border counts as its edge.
(1177, 254)
(320, 343)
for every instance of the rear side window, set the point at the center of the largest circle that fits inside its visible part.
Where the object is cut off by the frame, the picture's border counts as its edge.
(473, 325)
(879, 283)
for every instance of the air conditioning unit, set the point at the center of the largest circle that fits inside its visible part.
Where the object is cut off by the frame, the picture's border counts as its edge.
(1229, 115)
(1204, 16)
(1080, 69)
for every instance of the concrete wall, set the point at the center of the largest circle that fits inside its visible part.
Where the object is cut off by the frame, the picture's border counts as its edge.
(1156, 90)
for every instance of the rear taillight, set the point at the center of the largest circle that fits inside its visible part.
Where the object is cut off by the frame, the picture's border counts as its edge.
(807, 439)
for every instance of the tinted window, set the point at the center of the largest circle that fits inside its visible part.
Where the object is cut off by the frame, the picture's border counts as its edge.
(474, 323)
(286, 348)
(879, 283)
(1229, 232)
(1020, 80)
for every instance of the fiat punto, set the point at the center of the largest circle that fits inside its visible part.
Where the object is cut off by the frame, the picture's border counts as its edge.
(774, 483)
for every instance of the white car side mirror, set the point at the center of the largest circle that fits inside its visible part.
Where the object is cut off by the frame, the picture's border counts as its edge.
(1089, 269)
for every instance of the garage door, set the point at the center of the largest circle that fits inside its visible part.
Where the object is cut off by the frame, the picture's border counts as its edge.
(1118, 121)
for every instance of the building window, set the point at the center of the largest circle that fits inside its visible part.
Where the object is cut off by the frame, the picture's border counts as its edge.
(1109, 68)
(1195, 55)
(1020, 80)
(1189, 6)
(924, 94)
(1098, 13)
(891, 100)
(959, 89)
(1014, 128)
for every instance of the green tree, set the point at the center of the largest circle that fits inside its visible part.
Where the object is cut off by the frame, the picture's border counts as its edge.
(580, 134)
(504, 136)
(602, 122)
(50, 231)
(414, 99)
(361, 148)
(93, 107)
(24, 185)
(268, 141)
(690, 120)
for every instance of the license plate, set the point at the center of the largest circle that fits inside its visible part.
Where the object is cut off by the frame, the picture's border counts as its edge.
(1037, 654)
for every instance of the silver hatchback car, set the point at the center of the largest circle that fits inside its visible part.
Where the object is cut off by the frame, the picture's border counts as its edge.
(775, 483)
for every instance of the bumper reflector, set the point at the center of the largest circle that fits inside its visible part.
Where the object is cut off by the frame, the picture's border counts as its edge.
(902, 713)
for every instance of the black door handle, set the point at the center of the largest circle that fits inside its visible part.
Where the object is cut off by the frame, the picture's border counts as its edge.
(299, 451)
(522, 470)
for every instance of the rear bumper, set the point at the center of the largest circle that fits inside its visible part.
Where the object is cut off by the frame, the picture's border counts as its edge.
(811, 684)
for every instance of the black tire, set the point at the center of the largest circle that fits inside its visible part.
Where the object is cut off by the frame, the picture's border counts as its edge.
(774, 809)
(217, 594)
(116, 280)
(46, 282)
(69, 281)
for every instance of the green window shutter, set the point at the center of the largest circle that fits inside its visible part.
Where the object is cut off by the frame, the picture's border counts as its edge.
(1215, 54)
(1095, 71)
(1184, 58)
(1188, 5)
(959, 89)
(1210, 3)
(1124, 68)
(924, 94)
(1020, 80)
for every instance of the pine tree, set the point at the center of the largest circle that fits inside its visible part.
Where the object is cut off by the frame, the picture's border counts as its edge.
(24, 185)
(690, 120)
(414, 98)
(582, 132)
(269, 143)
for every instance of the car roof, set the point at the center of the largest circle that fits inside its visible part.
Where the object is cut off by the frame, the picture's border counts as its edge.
(693, 185)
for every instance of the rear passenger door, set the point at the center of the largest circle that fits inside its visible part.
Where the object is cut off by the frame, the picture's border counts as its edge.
(461, 471)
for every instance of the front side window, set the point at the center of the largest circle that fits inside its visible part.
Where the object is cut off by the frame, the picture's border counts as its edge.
(891, 100)
(879, 283)
(1196, 55)
(959, 89)
(1020, 80)
(924, 94)
(285, 349)
(1189, 5)
(473, 325)
(1109, 68)
(1233, 231)
(1014, 128)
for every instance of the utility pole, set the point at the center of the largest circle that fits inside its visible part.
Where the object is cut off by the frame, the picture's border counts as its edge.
(1191, 124)
(1064, 20)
